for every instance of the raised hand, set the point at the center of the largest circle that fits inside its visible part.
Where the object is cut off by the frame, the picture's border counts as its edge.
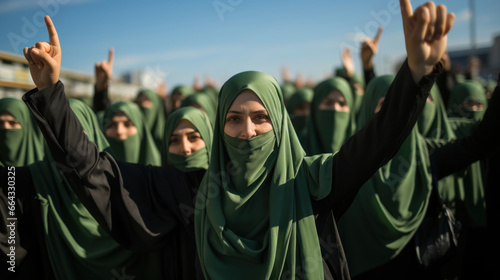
(104, 71)
(45, 58)
(369, 48)
(348, 62)
(425, 32)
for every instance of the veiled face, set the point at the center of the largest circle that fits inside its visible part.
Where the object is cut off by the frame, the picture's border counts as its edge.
(8, 121)
(247, 117)
(335, 100)
(472, 105)
(185, 139)
(120, 127)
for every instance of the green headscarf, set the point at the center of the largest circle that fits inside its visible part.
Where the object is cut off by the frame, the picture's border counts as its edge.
(199, 159)
(77, 246)
(470, 90)
(391, 205)
(138, 148)
(471, 190)
(20, 147)
(253, 217)
(154, 116)
(329, 129)
(433, 124)
(203, 100)
(358, 79)
(302, 95)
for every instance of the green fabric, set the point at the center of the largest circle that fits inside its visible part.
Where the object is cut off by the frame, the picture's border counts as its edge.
(461, 92)
(288, 89)
(434, 126)
(154, 116)
(391, 205)
(20, 147)
(203, 100)
(327, 130)
(253, 217)
(302, 95)
(472, 191)
(199, 159)
(356, 78)
(139, 148)
(182, 90)
(78, 248)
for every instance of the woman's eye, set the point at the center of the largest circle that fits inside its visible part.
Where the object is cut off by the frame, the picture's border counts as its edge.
(173, 140)
(232, 119)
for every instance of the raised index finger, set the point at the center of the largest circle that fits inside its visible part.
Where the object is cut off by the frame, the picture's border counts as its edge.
(53, 38)
(379, 33)
(406, 12)
(111, 55)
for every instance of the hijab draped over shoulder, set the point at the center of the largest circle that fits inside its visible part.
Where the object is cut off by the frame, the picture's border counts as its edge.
(253, 217)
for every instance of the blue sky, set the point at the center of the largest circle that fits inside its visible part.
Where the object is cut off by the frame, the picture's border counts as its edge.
(187, 38)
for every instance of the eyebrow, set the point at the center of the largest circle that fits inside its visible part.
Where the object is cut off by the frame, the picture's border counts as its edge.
(254, 112)
(189, 133)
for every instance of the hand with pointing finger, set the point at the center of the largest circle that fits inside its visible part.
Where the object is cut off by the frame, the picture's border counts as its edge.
(103, 71)
(369, 48)
(45, 58)
(425, 32)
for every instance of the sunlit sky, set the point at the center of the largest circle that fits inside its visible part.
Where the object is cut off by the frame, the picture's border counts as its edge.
(185, 38)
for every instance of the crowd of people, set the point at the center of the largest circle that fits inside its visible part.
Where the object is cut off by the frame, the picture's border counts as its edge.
(256, 179)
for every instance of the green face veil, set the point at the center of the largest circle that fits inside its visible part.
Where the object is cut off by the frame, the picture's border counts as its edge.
(462, 92)
(471, 191)
(139, 148)
(297, 99)
(253, 212)
(390, 206)
(154, 116)
(329, 129)
(204, 101)
(199, 159)
(78, 248)
(20, 147)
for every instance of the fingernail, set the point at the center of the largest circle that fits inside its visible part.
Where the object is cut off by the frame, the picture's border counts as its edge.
(35, 51)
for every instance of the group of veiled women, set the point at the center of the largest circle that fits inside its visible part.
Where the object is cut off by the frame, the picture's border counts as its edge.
(256, 180)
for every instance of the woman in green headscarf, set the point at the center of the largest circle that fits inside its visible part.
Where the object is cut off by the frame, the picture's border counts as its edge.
(78, 248)
(188, 139)
(255, 208)
(391, 205)
(21, 142)
(298, 108)
(332, 117)
(128, 134)
(204, 101)
(153, 109)
(178, 94)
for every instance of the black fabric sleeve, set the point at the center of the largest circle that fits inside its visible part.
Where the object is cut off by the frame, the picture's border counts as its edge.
(100, 100)
(379, 140)
(137, 205)
(480, 144)
(369, 74)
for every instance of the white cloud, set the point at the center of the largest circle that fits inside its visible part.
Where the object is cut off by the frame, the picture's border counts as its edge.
(464, 16)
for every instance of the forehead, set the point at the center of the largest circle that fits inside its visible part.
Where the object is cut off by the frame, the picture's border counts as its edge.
(247, 99)
(7, 116)
(120, 116)
(184, 125)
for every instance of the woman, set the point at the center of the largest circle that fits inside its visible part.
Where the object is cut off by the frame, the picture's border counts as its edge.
(153, 109)
(204, 101)
(286, 227)
(389, 208)
(298, 107)
(128, 134)
(21, 142)
(332, 117)
(58, 233)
